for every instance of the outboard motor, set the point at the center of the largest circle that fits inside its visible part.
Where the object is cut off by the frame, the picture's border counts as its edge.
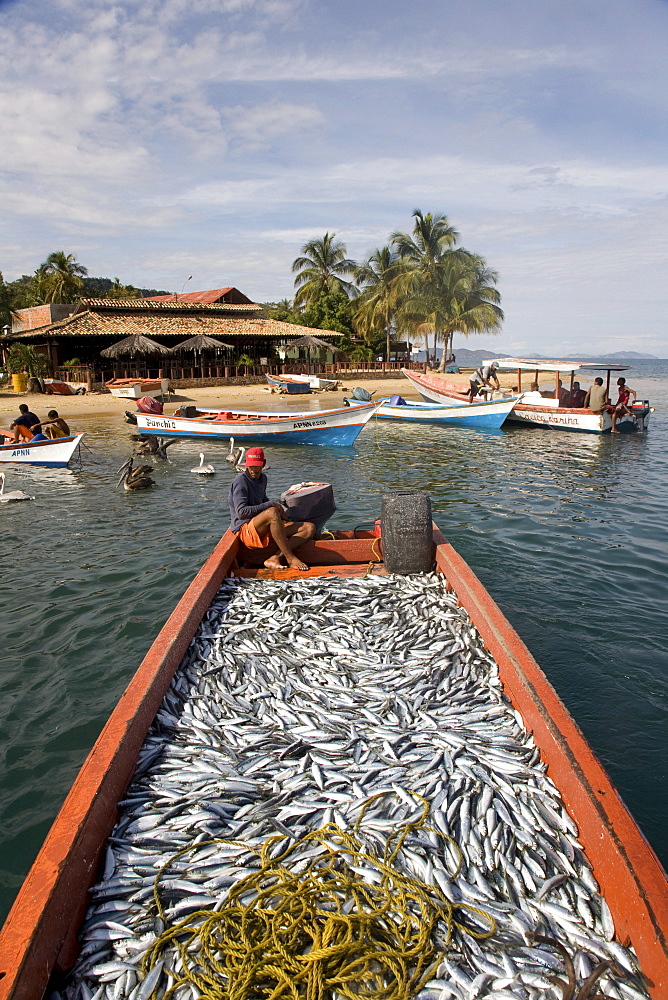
(309, 502)
(406, 525)
(186, 411)
(640, 411)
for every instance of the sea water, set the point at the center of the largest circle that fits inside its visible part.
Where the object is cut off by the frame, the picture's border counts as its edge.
(566, 531)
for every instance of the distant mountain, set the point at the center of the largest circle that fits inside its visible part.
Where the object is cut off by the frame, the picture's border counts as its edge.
(618, 356)
(467, 358)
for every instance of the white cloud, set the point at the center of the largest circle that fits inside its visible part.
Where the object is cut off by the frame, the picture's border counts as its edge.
(256, 127)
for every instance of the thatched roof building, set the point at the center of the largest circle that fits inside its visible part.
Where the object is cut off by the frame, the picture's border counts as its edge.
(96, 323)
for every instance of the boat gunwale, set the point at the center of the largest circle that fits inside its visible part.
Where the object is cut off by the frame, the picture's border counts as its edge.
(40, 932)
(37, 444)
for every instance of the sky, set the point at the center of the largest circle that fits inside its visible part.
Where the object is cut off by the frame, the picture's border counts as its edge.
(213, 138)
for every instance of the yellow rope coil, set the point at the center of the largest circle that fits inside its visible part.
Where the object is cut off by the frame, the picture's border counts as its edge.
(320, 929)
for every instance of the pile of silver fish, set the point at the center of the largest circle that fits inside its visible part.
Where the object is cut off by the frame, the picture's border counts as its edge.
(296, 703)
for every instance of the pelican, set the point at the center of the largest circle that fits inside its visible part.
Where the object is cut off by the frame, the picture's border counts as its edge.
(205, 470)
(235, 456)
(152, 445)
(13, 495)
(135, 479)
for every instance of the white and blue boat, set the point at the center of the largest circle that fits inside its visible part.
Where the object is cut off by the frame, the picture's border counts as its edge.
(483, 415)
(339, 426)
(52, 454)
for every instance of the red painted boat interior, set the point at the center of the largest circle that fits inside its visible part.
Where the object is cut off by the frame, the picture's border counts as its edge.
(39, 936)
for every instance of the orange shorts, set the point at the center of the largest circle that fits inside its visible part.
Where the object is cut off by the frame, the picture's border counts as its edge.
(250, 538)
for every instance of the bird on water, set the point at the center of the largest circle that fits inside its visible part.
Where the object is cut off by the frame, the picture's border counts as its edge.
(205, 470)
(235, 456)
(12, 495)
(135, 479)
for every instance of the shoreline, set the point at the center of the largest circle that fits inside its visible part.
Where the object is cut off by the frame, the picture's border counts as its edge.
(256, 397)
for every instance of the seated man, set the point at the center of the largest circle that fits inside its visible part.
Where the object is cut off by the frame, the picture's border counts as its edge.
(25, 425)
(577, 397)
(259, 522)
(597, 398)
(55, 426)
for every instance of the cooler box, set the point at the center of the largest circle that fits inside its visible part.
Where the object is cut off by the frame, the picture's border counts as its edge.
(309, 502)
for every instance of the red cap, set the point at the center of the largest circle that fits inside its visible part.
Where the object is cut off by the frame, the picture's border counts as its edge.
(255, 456)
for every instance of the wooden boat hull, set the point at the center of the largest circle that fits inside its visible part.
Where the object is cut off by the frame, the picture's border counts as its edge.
(136, 388)
(565, 418)
(476, 415)
(51, 454)
(313, 381)
(339, 427)
(39, 935)
(290, 385)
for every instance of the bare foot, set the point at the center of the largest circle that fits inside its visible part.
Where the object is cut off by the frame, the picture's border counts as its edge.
(274, 562)
(614, 432)
(295, 563)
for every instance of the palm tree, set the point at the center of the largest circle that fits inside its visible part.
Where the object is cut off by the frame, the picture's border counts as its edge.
(444, 289)
(423, 253)
(319, 271)
(473, 301)
(376, 307)
(465, 301)
(60, 277)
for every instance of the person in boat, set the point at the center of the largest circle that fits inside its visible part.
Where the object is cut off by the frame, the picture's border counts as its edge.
(484, 376)
(575, 398)
(597, 398)
(55, 426)
(259, 522)
(26, 424)
(622, 405)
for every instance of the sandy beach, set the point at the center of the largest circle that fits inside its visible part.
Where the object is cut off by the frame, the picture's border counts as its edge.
(251, 397)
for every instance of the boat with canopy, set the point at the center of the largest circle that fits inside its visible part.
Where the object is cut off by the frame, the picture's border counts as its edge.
(540, 410)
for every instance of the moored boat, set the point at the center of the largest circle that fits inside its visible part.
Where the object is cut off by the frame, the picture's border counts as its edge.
(534, 408)
(295, 381)
(482, 414)
(39, 937)
(135, 388)
(337, 427)
(53, 453)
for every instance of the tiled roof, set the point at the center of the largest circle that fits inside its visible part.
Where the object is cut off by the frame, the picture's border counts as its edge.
(211, 295)
(101, 324)
(151, 305)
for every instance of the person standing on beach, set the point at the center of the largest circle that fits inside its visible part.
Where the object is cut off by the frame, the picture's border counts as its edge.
(259, 522)
(597, 398)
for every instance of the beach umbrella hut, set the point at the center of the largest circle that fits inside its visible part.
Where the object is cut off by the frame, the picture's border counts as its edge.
(201, 342)
(313, 344)
(134, 345)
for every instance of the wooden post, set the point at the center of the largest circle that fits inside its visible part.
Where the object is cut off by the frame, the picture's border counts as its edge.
(607, 385)
(519, 379)
(556, 385)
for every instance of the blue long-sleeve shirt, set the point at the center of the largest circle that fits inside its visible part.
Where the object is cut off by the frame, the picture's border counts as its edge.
(248, 497)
